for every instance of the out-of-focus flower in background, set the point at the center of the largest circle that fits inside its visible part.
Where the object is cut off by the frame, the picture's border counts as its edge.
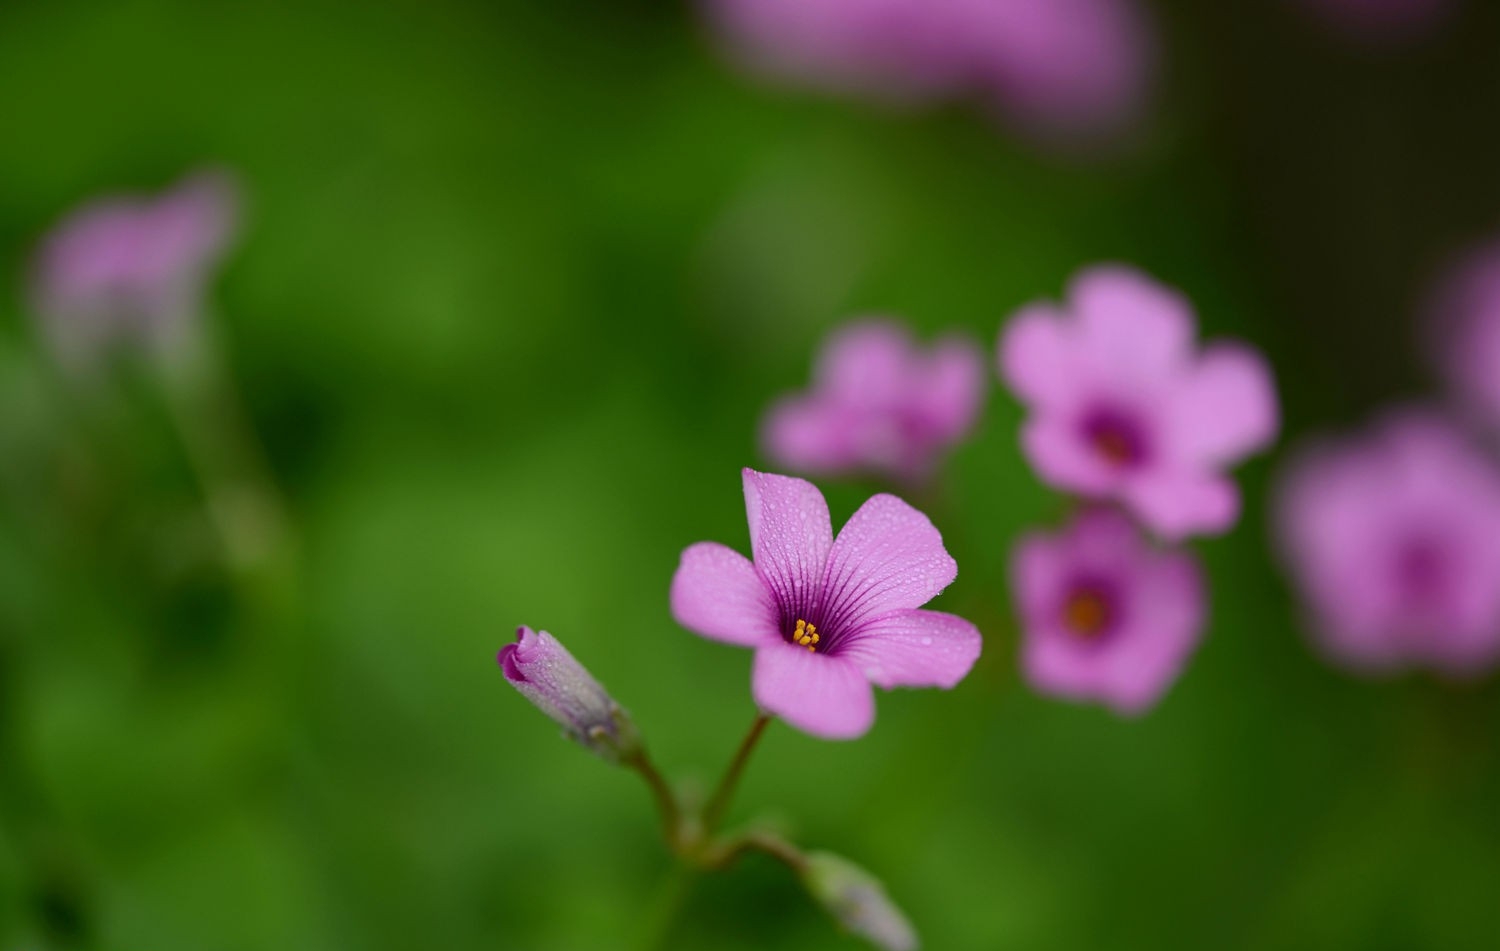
(1070, 68)
(858, 901)
(893, 49)
(1393, 537)
(540, 667)
(1063, 68)
(1105, 615)
(879, 403)
(130, 271)
(1382, 21)
(1122, 407)
(828, 618)
(1464, 322)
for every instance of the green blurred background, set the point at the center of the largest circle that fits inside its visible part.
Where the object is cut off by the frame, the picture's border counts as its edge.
(515, 283)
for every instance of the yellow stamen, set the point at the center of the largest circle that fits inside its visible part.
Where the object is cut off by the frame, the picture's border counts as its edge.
(806, 635)
(1086, 614)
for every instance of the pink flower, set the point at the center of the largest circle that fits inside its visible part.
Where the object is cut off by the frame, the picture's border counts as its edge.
(545, 673)
(1121, 407)
(1104, 615)
(1063, 67)
(898, 49)
(1393, 538)
(1072, 66)
(879, 403)
(132, 269)
(1466, 321)
(827, 618)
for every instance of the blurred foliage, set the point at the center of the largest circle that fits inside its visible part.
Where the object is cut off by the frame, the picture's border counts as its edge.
(516, 282)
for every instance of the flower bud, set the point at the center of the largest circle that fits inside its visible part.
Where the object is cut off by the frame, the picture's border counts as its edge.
(858, 901)
(546, 674)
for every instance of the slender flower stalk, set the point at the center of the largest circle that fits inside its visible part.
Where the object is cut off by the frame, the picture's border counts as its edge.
(674, 830)
(725, 852)
(240, 497)
(713, 813)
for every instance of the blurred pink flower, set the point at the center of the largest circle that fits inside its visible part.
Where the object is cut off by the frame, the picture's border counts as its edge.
(132, 269)
(1069, 66)
(879, 403)
(1062, 67)
(899, 49)
(1393, 537)
(827, 618)
(1465, 320)
(1104, 615)
(1382, 21)
(1122, 407)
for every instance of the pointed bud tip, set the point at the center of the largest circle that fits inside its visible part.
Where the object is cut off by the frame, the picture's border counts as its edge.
(545, 673)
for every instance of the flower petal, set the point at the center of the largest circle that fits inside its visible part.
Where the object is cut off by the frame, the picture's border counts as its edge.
(820, 694)
(1131, 323)
(1037, 356)
(1062, 459)
(888, 557)
(865, 363)
(1170, 607)
(1227, 407)
(1178, 504)
(1158, 600)
(717, 593)
(1038, 569)
(914, 649)
(790, 535)
(809, 434)
(1133, 668)
(951, 387)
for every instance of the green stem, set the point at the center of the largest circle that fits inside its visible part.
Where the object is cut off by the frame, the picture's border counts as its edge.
(55, 887)
(666, 800)
(726, 852)
(666, 909)
(713, 813)
(241, 501)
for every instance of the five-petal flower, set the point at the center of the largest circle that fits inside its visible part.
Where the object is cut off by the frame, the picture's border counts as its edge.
(1104, 615)
(1394, 540)
(131, 269)
(1123, 408)
(828, 617)
(879, 403)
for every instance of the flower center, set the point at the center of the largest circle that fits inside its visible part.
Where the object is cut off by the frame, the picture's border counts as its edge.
(1421, 570)
(1115, 438)
(806, 635)
(1087, 614)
